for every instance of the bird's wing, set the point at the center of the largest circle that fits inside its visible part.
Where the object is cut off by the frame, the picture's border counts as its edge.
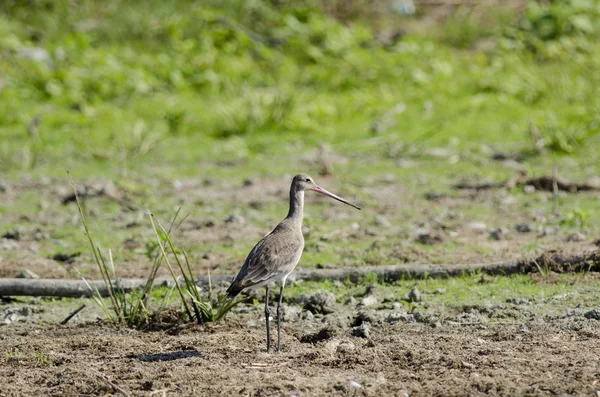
(269, 256)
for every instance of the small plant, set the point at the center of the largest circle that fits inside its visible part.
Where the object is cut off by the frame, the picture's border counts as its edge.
(127, 308)
(193, 304)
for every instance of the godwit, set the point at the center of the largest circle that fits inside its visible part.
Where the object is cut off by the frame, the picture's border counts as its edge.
(275, 256)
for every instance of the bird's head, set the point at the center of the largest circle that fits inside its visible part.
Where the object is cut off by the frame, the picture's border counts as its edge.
(304, 182)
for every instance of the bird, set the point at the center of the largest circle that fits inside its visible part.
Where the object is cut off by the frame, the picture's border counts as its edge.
(276, 255)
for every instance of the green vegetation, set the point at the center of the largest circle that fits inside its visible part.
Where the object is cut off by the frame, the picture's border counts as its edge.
(221, 91)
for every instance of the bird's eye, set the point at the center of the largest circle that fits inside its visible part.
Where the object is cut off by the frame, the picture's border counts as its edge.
(307, 179)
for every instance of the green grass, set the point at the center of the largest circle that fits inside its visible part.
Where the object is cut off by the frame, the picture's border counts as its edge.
(234, 89)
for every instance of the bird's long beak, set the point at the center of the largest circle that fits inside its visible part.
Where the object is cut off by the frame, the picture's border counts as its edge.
(319, 189)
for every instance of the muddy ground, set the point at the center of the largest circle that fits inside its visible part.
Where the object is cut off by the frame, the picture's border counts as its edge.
(229, 359)
(512, 350)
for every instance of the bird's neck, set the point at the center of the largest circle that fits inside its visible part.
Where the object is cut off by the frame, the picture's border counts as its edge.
(296, 204)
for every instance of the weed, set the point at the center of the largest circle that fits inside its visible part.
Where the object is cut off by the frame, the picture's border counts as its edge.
(204, 311)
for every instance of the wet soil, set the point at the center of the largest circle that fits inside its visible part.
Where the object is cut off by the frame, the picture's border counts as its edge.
(229, 359)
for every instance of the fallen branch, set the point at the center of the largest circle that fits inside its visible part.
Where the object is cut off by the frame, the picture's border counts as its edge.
(545, 183)
(551, 261)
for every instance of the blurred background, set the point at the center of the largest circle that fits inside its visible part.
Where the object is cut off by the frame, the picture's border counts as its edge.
(437, 116)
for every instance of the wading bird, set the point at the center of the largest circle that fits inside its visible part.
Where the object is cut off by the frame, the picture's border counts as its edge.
(275, 256)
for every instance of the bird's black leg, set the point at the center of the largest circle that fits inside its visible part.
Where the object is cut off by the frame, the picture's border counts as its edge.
(279, 313)
(267, 319)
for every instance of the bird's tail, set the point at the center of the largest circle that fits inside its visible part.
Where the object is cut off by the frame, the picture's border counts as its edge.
(234, 289)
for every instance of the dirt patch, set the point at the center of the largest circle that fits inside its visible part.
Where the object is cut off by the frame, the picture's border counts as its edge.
(228, 359)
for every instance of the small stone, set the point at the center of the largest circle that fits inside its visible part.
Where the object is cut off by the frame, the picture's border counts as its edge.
(291, 313)
(549, 231)
(8, 245)
(307, 316)
(509, 200)
(346, 347)
(427, 238)
(362, 331)
(26, 273)
(364, 317)
(319, 302)
(235, 218)
(323, 334)
(438, 291)
(576, 237)
(3, 187)
(523, 228)
(399, 316)
(177, 185)
(477, 226)
(351, 301)
(529, 189)
(499, 234)
(414, 295)
(368, 301)
(380, 220)
(12, 234)
(354, 384)
(593, 314)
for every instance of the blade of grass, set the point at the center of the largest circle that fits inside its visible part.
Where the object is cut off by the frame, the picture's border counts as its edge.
(160, 244)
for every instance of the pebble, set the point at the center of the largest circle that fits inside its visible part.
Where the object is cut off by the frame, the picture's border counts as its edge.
(593, 314)
(26, 273)
(354, 384)
(380, 220)
(351, 301)
(291, 313)
(499, 234)
(12, 234)
(576, 237)
(477, 226)
(319, 302)
(8, 245)
(235, 218)
(368, 301)
(529, 189)
(523, 228)
(414, 295)
(362, 331)
(399, 316)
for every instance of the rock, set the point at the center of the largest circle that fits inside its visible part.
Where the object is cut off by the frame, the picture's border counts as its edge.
(319, 302)
(499, 234)
(352, 384)
(351, 301)
(438, 291)
(26, 273)
(307, 316)
(529, 189)
(362, 331)
(345, 347)
(321, 335)
(523, 228)
(3, 187)
(368, 301)
(414, 295)
(477, 226)
(290, 313)
(576, 237)
(16, 314)
(8, 245)
(427, 238)
(12, 234)
(235, 218)
(593, 314)
(549, 231)
(380, 220)
(399, 316)
(364, 317)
